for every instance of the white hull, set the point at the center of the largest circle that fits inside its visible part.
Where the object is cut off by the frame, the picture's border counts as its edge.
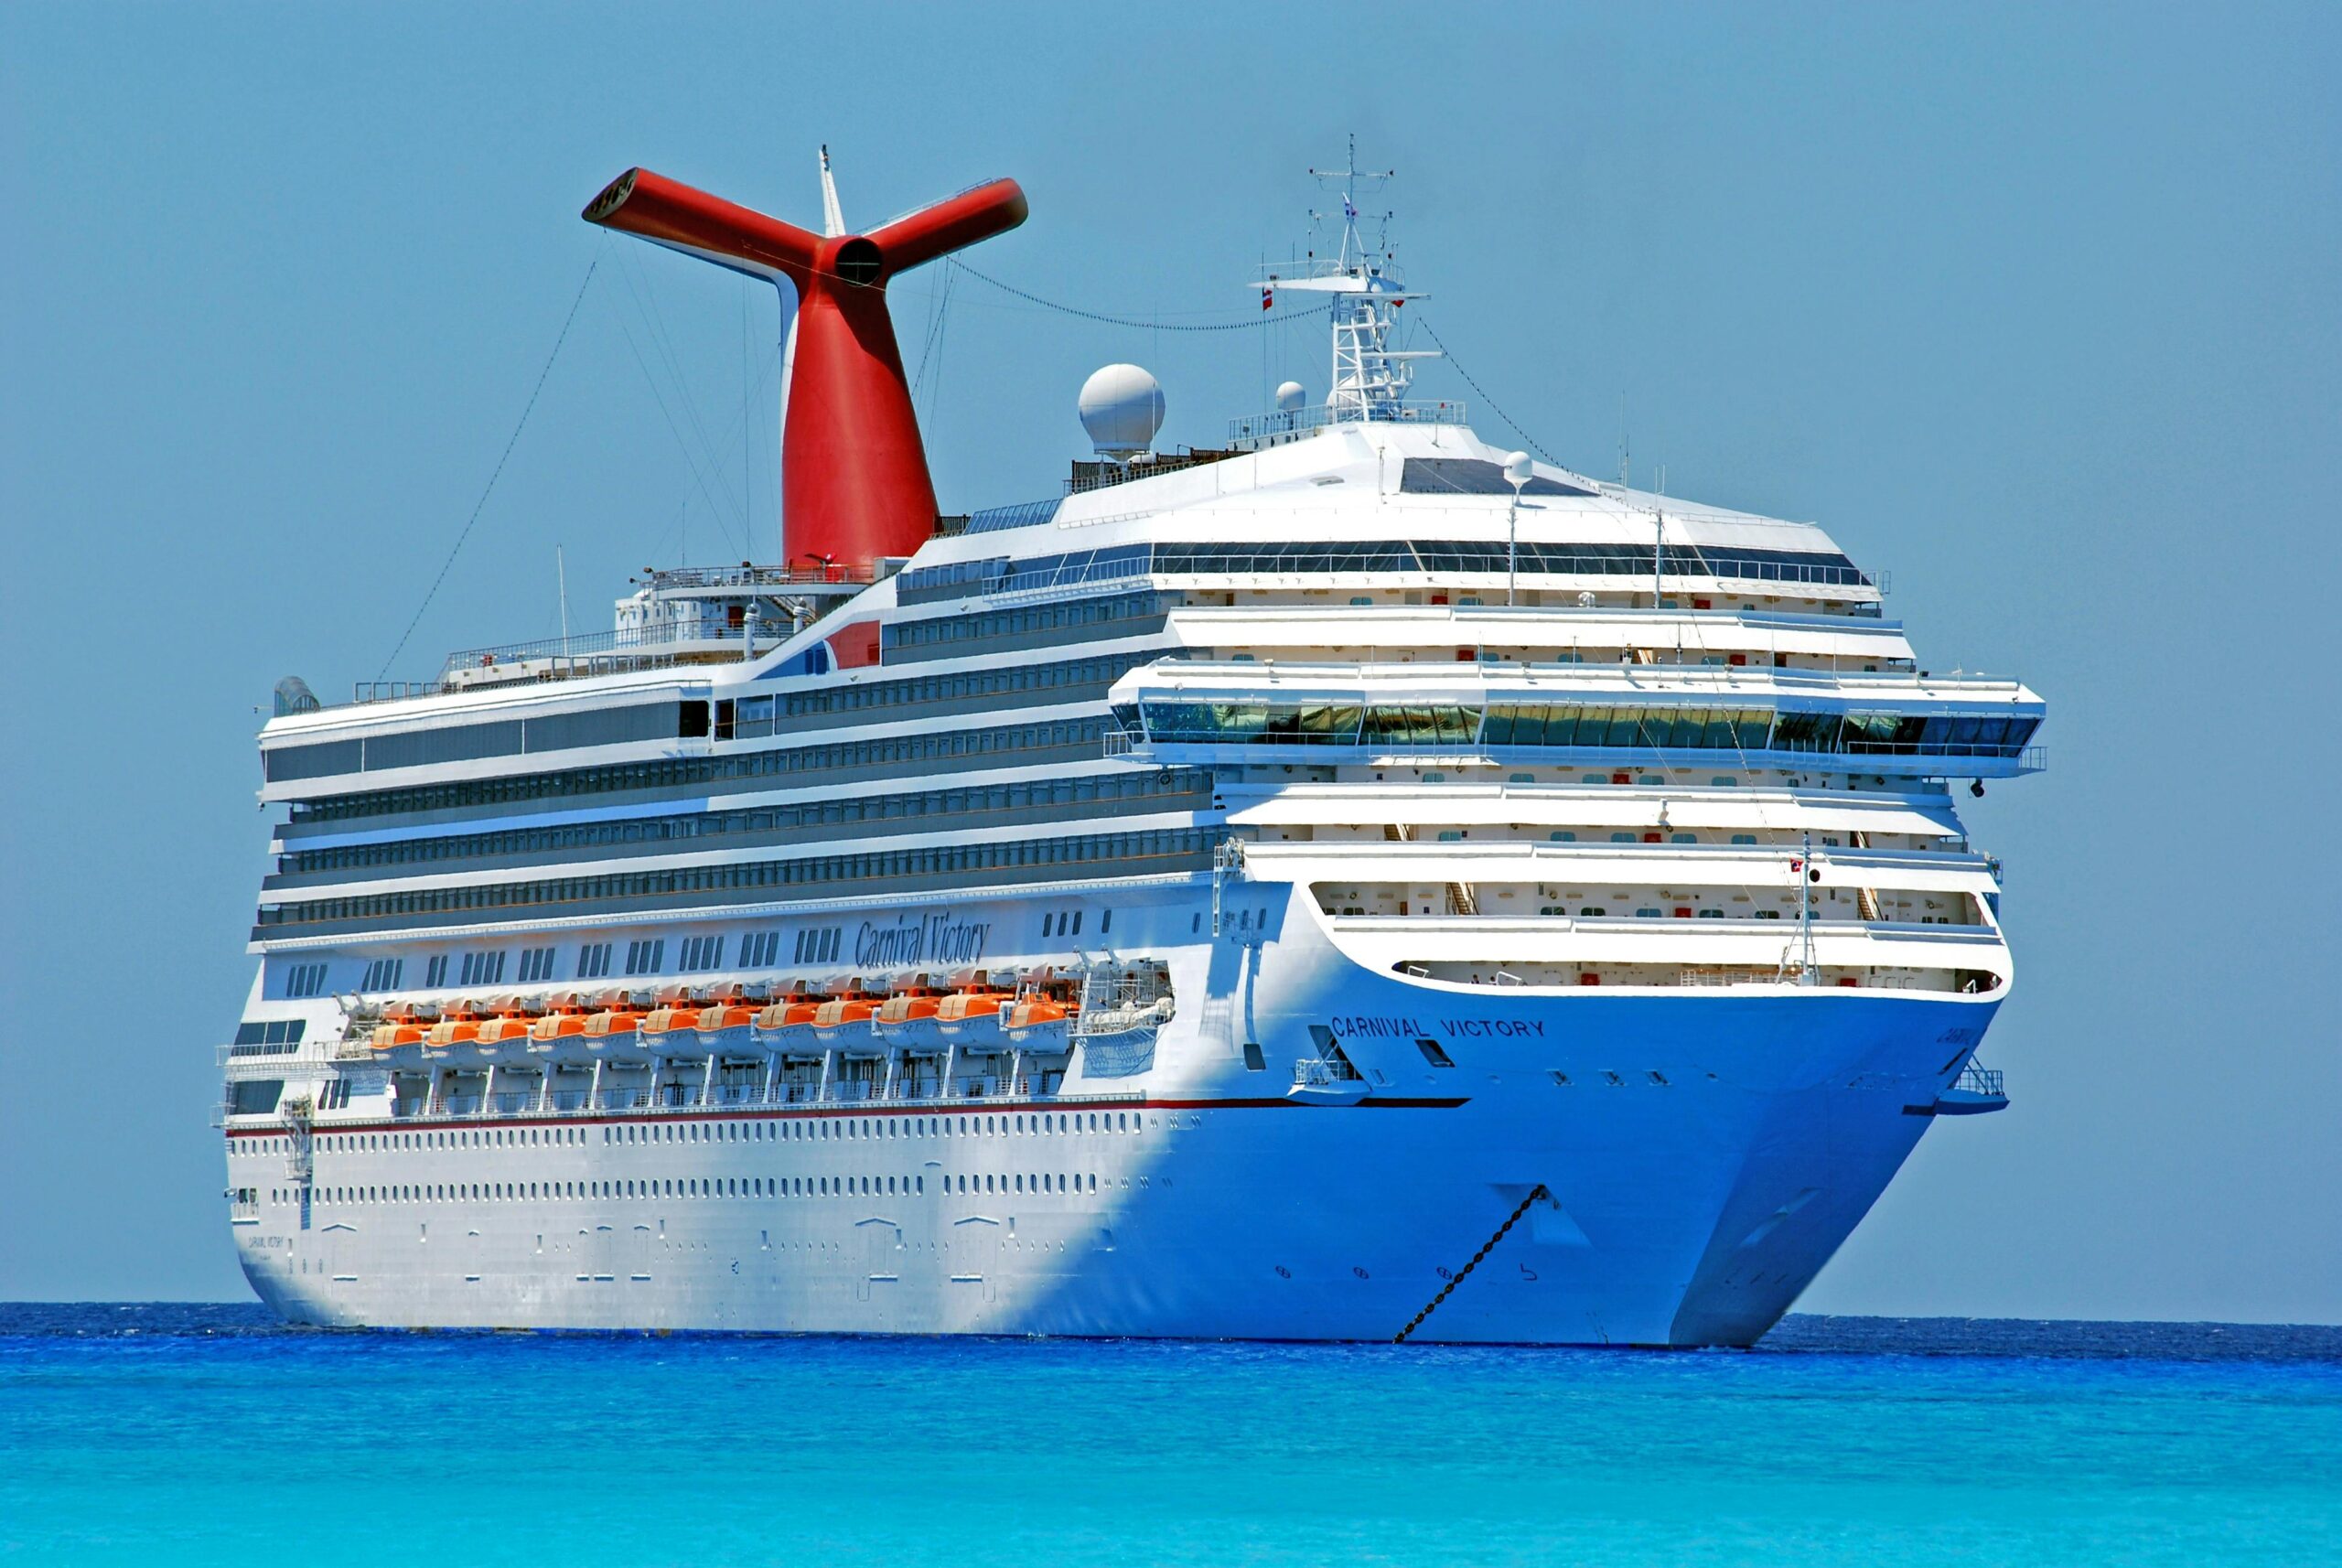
(1691, 1200)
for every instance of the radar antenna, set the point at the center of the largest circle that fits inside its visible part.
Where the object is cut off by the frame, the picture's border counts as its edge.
(1369, 377)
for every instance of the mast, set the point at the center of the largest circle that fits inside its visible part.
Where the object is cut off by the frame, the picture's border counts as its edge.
(1369, 377)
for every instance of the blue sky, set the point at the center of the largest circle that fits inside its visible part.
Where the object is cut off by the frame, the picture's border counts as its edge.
(2035, 307)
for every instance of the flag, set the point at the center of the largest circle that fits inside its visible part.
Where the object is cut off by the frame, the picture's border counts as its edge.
(1268, 297)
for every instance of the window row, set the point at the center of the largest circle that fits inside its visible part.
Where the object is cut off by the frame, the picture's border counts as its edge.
(937, 631)
(278, 1038)
(1023, 854)
(502, 737)
(1609, 727)
(1082, 790)
(860, 1186)
(1001, 746)
(799, 1130)
(1001, 575)
(1100, 670)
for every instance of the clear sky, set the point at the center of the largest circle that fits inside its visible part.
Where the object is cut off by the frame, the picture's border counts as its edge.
(2036, 308)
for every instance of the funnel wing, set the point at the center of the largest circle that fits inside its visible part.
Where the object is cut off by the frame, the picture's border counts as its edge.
(675, 214)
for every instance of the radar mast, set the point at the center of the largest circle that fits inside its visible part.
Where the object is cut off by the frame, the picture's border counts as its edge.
(1369, 377)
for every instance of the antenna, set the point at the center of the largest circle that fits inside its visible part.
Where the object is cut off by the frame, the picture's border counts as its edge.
(832, 216)
(1806, 875)
(1658, 539)
(1348, 181)
(1517, 472)
(560, 578)
(1370, 376)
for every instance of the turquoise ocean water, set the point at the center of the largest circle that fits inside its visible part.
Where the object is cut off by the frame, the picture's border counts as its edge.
(176, 1434)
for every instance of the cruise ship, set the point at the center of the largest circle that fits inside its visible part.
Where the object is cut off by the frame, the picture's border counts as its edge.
(1354, 881)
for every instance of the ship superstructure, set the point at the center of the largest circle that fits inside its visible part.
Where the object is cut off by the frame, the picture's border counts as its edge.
(1352, 883)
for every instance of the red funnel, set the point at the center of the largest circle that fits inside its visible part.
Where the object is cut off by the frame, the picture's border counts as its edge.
(854, 484)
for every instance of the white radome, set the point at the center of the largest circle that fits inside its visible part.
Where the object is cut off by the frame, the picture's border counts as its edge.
(1122, 407)
(1291, 396)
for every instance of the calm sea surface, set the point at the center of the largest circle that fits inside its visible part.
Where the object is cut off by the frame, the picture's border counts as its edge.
(202, 1434)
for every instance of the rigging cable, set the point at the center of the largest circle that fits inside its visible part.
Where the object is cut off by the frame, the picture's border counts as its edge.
(490, 488)
(689, 460)
(1483, 397)
(1263, 319)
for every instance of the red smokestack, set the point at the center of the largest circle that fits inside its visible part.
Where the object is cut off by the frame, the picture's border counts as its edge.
(854, 484)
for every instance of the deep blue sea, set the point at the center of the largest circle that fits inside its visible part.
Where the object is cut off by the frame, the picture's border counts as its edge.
(203, 1434)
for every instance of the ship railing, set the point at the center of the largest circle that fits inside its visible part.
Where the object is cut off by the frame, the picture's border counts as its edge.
(1324, 1072)
(630, 640)
(1981, 1079)
(1289, 421)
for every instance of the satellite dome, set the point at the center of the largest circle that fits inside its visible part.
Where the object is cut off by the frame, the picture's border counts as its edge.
(1291, 396)
(1122, 407)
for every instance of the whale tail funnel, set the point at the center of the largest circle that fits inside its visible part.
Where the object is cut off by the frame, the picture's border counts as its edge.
(855, 483)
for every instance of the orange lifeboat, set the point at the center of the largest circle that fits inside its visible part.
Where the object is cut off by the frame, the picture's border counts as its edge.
(459, 1026)
(788, 1017)
(972, 1016)
(1037, 1017)
(910, 1003)
(404, 1024)
(616, 1022)
(510, 1022)
(677, 1012)
(563, 1015)
(849, 1007)
(736, 1009)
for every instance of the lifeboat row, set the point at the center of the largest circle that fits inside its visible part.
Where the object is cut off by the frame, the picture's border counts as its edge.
(975, 1016)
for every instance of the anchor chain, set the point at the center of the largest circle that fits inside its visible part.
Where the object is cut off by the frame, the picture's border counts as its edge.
(1485, 1247)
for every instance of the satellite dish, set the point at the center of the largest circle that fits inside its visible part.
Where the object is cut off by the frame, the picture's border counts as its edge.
(1122, 407)
(1291, 396)
(1517, 470)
